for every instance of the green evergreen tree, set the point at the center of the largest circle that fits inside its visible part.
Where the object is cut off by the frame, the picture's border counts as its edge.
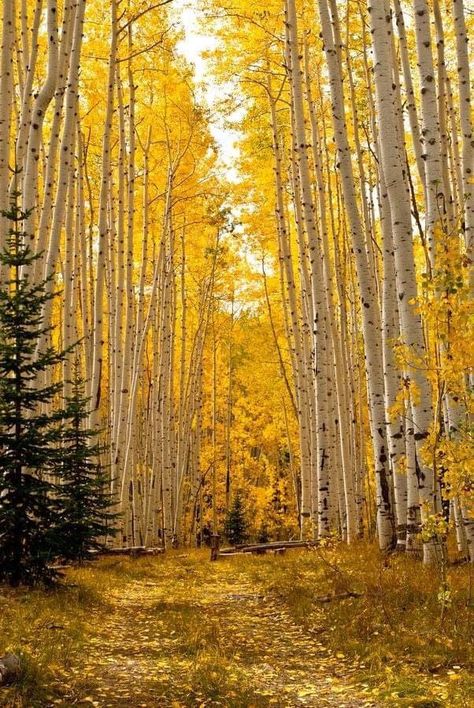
(31, 428)
(86, 517)
(236, 527)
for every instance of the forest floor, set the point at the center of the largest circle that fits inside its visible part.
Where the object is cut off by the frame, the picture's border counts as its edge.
(177, 630)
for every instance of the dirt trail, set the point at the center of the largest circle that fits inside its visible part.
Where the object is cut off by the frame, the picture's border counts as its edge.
(162, 646)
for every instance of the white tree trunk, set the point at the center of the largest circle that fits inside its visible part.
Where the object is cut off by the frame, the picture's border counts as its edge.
(369, 305)
(399, 199)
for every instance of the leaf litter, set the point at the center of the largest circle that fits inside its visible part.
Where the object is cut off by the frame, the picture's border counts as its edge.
(203, 635)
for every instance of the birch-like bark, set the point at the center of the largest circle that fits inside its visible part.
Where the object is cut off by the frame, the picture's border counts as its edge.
(299, 367)
(398, 195)
(120, 406)
(42, 101)
(30, 55)
(337, 383)
(410, 94)
(393, 378)
(130, 221)
(97, 345)
(6, 105)
(430, 134)
(369, 305)
(50, 189)
(454, 146)
(319, 305)
(465, 115)
(69, 315)
(66, 160)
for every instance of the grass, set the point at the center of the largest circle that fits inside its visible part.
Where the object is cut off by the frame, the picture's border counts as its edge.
(45, 629)
(409, 651)
(393, 640)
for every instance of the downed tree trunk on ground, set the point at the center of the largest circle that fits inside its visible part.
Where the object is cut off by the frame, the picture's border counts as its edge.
(339, 596)
(274, 546)
(9, 669)
(130, 551)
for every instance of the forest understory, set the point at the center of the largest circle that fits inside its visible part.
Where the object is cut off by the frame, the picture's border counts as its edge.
(177, 630)
(236, 304)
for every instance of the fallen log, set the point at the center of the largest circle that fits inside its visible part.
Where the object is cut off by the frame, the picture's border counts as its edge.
(338, 596)
(130, 551)
(9, 669)
(274, 546)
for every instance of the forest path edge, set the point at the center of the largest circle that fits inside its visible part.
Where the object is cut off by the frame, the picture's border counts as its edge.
(205, 635)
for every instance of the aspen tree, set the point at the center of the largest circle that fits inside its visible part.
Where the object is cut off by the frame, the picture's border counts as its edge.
(337, 403)
(30, 55)
(390, 334)
(442, 114)
(298, 363)
(463, 72)
(68, 280)
(430, 134)
(410, 94)
(398, 196)
(120, 393)
(41, 103)
(315, 255)
(370, 310)
(130, 221)
(81, 253)
(50, 170)
(66, 162)
(308, 400)
(6, 105)
(97, 341)
(454, 147)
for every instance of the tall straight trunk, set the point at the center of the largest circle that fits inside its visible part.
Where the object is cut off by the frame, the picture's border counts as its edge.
(215, 528)
(230, 381)
(82, 255)
(319, 307)
(50, 191)
(410, 94)
(121, 393)
(40, 106)
(430, 134)
(6, 105)
(465, 114)
(337, 383)
(443, 118)
(130, 221)
(98, 317)
(294, 331)
(370, 313)
(455, 154)
(69, 314)
(66, 160)
(30, 55)
(393, 377)
(192, 394)
(399, 198)
(363, 189)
